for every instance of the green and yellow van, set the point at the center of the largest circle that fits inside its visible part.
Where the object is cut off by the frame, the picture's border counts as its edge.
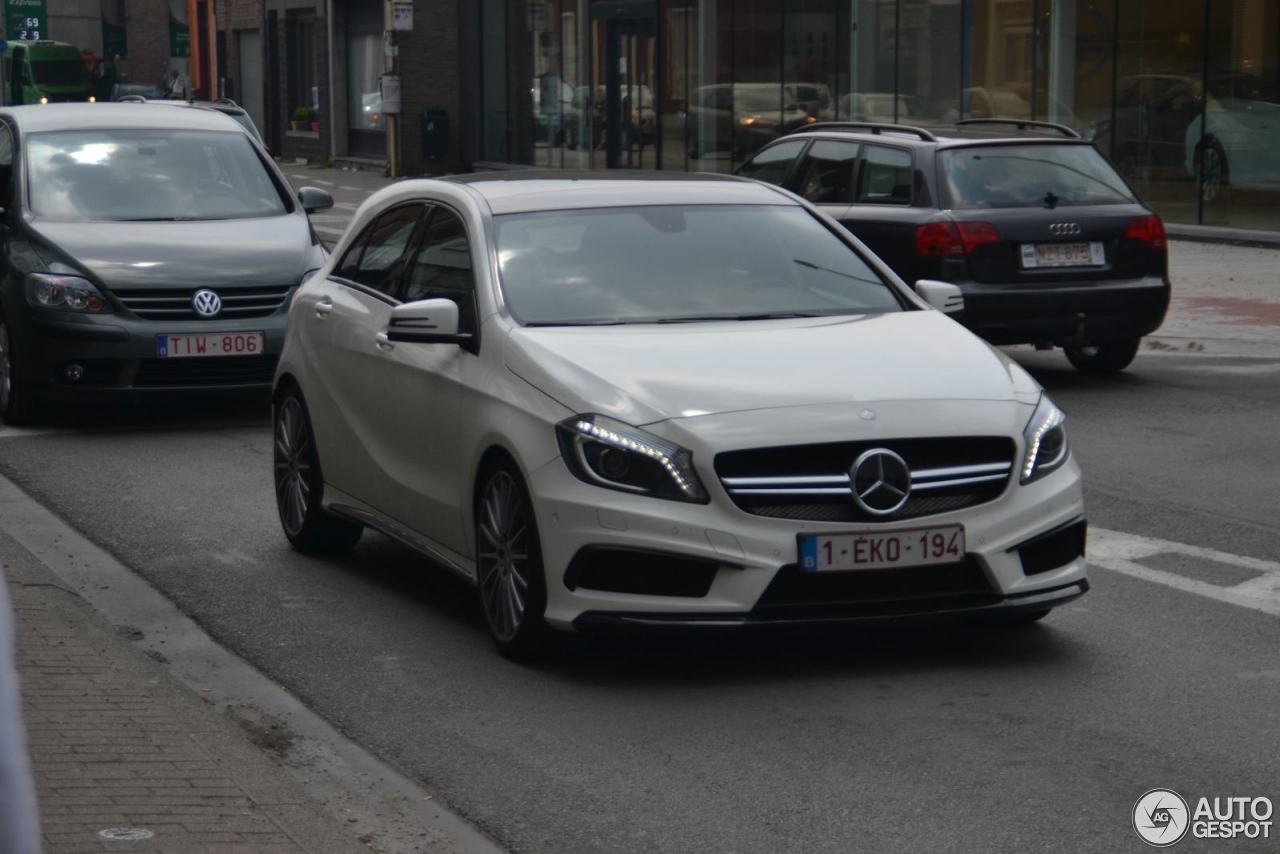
(45, 70)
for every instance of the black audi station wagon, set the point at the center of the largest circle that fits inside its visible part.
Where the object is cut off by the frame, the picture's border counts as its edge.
(144, 251)
(1020, 229)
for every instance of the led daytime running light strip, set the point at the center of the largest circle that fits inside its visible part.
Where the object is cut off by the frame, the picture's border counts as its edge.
(609, 437)
(1052, 419)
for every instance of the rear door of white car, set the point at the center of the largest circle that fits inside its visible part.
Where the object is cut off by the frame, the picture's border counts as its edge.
(349, 377)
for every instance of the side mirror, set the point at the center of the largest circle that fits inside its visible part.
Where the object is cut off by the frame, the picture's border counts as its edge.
(428, 321)
(944, 296)
(314, 199)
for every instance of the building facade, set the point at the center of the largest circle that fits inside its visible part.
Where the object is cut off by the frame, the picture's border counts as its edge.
(1182, 95)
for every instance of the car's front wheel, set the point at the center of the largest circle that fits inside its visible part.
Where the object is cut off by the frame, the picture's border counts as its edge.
(300, 486)
(513, 592)
(1108, 358)
(18, 402)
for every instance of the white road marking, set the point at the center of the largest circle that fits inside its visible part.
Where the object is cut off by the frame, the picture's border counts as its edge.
(353, 189)
(322, 182)
(1119, 552)
(346, 206)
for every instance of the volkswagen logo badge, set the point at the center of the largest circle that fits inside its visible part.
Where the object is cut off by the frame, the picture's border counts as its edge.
(1065, 229)
(207, 303)
(880, 481)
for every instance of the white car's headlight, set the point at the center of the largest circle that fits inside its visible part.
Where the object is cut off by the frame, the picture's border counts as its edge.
(1046, 441)
(609, 453)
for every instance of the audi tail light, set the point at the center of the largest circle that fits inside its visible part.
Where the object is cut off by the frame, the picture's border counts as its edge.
(953, 239)
(1149, 230)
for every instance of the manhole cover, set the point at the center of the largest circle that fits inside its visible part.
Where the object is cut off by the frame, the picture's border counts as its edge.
(125, 834)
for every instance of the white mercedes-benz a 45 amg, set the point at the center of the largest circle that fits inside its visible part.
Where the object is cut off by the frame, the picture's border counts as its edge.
(667, 402)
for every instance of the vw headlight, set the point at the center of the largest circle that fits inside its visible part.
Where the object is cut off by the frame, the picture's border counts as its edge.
(65, 293)
(1046, 441)
(614, 455)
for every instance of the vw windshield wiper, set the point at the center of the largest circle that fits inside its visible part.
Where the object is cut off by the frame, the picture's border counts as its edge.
(149, 219)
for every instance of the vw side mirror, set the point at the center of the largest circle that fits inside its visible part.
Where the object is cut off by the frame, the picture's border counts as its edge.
(314, 199)
(428, 321)
(944, 296)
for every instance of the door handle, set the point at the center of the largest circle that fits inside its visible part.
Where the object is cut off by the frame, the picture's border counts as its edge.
(384, 343)
(323, 308)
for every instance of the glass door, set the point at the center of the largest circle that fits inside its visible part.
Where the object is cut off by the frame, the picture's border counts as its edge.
(626, 119)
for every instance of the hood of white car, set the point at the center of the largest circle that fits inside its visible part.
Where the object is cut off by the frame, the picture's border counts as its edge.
(646, 373)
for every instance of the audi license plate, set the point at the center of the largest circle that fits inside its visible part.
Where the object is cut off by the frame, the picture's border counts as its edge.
(882, 549)
(1063, 255)
(224, 344)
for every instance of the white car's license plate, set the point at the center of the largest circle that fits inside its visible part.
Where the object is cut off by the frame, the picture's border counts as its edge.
(882, 549)
(1063, 255)
(216, 344)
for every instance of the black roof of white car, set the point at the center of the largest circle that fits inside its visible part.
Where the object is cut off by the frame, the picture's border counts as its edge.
(35, 118)
(525, 191)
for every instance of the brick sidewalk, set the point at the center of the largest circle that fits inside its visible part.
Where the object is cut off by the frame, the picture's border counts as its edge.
(116, 743)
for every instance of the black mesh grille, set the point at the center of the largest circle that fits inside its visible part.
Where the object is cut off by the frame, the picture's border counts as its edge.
(210, 371)
(796, 594)
(837, 457)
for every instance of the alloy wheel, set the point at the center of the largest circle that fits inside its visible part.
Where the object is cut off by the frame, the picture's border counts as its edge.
(292, 465)
(503, 566)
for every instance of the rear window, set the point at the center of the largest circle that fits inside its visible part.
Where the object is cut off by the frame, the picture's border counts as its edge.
(1027, 176)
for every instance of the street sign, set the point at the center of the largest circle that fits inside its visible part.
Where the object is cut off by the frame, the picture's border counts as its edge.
(402, 15)
(391, 94)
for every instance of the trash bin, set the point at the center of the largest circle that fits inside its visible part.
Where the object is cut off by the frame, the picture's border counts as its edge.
(435, 134)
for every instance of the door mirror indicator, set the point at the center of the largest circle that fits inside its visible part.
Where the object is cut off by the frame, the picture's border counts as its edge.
(314, 199)
(428, 321)
(944, 296)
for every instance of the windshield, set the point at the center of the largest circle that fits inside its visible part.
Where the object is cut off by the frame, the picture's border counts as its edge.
(673, 264)
(1025, 176)
(60, 72)
(137, 175)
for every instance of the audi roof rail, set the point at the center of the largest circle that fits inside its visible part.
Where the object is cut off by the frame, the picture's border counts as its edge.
(874, 127)
(1023, 124)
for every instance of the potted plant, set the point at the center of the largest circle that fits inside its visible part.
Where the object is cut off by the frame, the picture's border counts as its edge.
(303, 117)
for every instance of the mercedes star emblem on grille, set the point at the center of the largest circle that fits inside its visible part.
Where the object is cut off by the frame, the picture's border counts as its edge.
(880, 481)
(207, 303)
(1064, 229)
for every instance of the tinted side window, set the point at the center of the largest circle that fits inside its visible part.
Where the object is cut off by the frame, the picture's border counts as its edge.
(772, 164)
(826, 177)
(6, 164)
(886, 176)
(379, 262)
(442, 268)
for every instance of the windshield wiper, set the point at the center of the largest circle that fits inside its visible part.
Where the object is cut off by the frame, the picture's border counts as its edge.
(706, 318)
(813, 266)
(577, 323)
(149, 219)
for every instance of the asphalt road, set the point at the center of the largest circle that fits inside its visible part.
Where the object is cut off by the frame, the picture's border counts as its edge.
(942, 739)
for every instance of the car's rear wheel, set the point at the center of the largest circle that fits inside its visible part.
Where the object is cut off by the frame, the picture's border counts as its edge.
(18, 404)
(300, 486)
(1108, 358)
(513, 592)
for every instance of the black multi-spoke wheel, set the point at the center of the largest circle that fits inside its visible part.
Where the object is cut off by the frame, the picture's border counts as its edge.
(509, 564)
(299, 485)
(17, 404)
